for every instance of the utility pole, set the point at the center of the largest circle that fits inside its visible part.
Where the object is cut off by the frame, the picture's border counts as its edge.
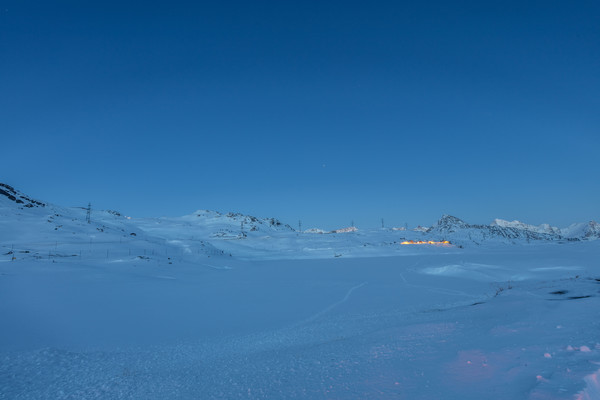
(299, 226)
(88, 215)
(352, 223)
(382, 226)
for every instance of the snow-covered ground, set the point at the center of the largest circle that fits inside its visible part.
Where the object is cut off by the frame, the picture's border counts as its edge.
(197, 308)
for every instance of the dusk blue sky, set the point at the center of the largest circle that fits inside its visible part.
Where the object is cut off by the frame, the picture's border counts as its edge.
(324, 111)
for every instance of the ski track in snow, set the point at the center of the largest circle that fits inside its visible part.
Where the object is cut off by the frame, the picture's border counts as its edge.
(224, 267)
(332, 306)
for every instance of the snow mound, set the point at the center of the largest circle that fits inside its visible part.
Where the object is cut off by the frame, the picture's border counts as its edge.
(345, 230)
(315, 230)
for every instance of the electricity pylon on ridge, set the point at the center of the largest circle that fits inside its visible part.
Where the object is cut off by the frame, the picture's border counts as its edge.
(88, 214)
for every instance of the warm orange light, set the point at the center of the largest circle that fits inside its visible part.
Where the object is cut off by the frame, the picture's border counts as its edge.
(442, 243)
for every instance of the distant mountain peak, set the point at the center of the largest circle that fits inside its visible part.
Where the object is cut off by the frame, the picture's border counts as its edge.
(446, 218)
(449, 223)
(592, 230)
(543, 228)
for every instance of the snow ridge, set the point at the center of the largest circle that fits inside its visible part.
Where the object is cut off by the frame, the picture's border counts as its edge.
(458, 231)
(9, 193)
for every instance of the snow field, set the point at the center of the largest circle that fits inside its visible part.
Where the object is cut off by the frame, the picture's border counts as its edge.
(518, 325)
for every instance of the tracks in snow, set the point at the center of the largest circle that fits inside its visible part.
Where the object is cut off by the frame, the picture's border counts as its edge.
(332, 306)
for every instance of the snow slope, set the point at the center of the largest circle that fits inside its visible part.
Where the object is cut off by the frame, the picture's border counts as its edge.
(201, 307)
(589, 230)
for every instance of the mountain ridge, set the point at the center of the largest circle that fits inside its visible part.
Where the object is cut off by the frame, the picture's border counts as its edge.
(209, 224)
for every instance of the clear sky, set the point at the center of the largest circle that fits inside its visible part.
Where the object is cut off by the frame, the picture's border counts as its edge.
(324, 111)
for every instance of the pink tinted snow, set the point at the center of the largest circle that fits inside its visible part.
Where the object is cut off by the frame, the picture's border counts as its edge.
(592, 388)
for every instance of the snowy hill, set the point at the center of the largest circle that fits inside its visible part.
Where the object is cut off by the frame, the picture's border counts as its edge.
(11, 197)
(582, 231)
(233, 221)
(589, 230)
(43, 228)
(218, 306)
(208, 224)
(458, 231)
(543, 228)
(34, 229)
